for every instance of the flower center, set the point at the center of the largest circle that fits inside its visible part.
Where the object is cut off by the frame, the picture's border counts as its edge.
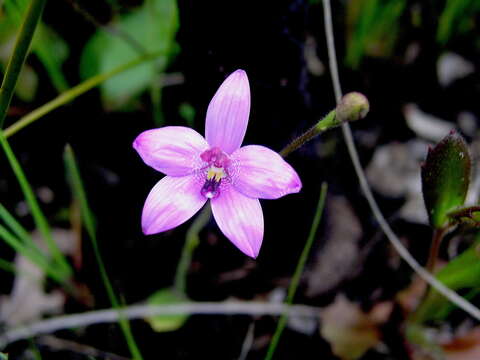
(216, 170)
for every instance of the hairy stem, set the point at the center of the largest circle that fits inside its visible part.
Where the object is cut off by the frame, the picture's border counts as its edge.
(308, 135)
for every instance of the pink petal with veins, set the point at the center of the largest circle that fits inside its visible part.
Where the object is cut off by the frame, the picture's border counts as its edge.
(262, 173)
(171, 202)
(227, 114)
(171, 150)
(241, 220)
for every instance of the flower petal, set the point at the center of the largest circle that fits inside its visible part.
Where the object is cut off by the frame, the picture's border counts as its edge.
(262, 173)
(171, 202)
(227, 114)
(171, 150)
(241, 220)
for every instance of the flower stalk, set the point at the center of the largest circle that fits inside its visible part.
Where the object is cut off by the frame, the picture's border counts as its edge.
(353, 106)
(20, 52)
(191, 242)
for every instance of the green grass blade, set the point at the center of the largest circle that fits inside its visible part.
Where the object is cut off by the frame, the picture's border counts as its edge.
(89, 222)
(38, 216)
(34, 257)
(298, 271)
(18, 230)
(20, 52)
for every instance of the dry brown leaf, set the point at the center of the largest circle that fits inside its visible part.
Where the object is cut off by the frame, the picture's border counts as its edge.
(350, 331)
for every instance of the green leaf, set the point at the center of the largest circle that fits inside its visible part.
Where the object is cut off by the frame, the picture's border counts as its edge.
(461, 273)
(164, 323)
(445, 178)
(152, 27)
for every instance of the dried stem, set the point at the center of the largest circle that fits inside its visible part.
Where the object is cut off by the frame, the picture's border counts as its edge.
(143, 311)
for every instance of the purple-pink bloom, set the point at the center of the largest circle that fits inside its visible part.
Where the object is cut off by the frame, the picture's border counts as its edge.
(217, 168)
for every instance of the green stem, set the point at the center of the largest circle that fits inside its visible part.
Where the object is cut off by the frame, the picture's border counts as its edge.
(74, 92)
(19, 55)
(298, 271)
(191, 242)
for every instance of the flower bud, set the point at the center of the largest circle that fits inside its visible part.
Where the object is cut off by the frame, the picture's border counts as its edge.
(353, 106)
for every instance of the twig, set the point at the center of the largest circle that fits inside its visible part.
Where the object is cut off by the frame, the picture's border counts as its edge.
(143, 311)
(395, 241)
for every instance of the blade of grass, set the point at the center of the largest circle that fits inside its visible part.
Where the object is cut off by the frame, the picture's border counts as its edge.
(19, 230)
(292, 288)
(41, 261)
(20, 52)
(73, 93)
(38, 216)
(79, 193)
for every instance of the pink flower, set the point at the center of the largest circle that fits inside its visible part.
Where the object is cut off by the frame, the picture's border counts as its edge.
(215, 168)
